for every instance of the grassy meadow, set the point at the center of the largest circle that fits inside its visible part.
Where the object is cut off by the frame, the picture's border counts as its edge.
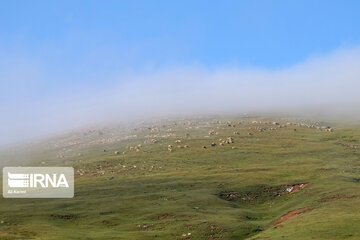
(129, 184)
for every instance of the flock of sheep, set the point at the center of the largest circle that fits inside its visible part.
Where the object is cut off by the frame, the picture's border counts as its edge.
(177, 135)
(260, 126)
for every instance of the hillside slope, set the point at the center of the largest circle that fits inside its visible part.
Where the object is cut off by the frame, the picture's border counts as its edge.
(263, 178)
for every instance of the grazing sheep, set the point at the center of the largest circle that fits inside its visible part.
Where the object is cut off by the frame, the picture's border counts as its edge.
(213, 144)
(116, 153)
(178, 141)
(229, 140)
(170, 148)
(204, 147)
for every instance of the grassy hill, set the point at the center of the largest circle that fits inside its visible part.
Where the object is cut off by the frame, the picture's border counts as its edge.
(280, 178)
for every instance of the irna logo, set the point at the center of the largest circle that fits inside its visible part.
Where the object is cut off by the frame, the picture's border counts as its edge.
(16, 180)
(38, 182)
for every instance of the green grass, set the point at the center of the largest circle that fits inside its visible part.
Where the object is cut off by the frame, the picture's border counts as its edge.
(169, 194)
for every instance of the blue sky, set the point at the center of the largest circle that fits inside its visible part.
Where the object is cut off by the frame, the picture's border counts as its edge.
(116, 35)
(50, 49)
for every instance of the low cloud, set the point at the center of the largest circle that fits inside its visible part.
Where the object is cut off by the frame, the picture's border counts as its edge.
(327, 84)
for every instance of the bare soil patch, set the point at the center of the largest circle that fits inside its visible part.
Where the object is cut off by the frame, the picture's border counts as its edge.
(292, 214)
(163, 216)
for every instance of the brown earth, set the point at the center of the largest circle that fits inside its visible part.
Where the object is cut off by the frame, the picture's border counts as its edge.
(163, 216)
(298, 187)
(292, 214)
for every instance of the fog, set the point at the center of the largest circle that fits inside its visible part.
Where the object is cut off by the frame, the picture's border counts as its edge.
(325, 85)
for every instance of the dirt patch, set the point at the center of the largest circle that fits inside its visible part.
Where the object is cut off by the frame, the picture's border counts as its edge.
(163, 216)
(292, 214)
(64, 216)
(296, 187)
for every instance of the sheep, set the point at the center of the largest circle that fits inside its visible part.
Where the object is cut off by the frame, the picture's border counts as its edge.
(170, 148)
(229, 140)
